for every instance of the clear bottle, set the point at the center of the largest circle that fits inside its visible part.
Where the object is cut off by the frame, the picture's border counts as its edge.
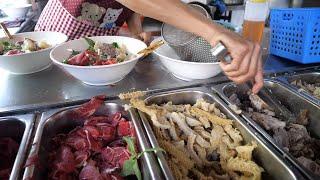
(256, 13)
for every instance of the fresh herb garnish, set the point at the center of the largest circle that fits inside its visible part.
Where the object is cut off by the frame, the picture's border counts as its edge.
(74, 52)
(65, 61)
(91, 43)
(131, 166)
(7, 46)
(115, 45)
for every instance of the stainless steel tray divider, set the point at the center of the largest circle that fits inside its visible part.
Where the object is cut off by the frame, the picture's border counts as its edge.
(219, 90)
(272, 160)
(28, 122)
(48, 116)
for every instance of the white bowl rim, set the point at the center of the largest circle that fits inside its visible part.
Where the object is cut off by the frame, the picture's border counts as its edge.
(99, 66)
(183, 62)
(41, 50)
(15, 6)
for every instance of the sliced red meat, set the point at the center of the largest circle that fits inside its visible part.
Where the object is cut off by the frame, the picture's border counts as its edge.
(77, 143)
(81, 157)
(8, 151)
(13, 52)
(94, 120)
(58, 175)
(115, 156)
(116, 117)
(90, 172)
(93, 131)
(117, 143)
(32, 160)
(100, 121)
(5, 173)
(125, 128)
(89, 108)
(108, 133)
(65, 161)
(116, 177)
(94, 145)
(79, 60)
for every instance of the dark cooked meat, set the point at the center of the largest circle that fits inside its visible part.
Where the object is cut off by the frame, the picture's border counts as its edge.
(8, 151)
(267, 122)
(309, 164)
(281, 137)
(292, 136)
(313, 89)
(302, 118)
(93, 151)
(108, 49)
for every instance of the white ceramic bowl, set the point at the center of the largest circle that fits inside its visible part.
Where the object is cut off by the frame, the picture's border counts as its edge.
(16, 10)
(98, 75)
(35, 61)
(185, 70)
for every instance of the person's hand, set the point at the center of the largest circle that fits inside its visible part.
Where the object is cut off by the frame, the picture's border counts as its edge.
(246, 62)
(144, 36)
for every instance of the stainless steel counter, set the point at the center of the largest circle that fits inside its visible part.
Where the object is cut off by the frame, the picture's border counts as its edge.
(54, 86)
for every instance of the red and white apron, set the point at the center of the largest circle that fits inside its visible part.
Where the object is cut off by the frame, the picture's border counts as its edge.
(80, 18)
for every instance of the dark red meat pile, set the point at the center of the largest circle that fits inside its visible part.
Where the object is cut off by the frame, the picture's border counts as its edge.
(8, 151)
(94, 151)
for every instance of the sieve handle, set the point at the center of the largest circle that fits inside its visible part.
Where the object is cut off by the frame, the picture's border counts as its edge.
(221, 52)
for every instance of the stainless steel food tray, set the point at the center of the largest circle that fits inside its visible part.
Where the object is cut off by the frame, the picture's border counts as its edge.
(59, 121)
(18, 128)
(266, 156)
(288, 98)
(308, 76)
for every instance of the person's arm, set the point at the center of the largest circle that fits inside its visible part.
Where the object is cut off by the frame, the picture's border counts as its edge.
(135, 28)
(246, 64)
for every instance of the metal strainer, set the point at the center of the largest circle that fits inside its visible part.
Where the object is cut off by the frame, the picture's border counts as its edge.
(190, 47)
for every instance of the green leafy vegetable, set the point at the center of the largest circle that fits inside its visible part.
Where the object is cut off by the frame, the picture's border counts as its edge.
(65, 61)
(74, 52)
(131, 166)
(7, 46)
(91, 43)
(115, 45)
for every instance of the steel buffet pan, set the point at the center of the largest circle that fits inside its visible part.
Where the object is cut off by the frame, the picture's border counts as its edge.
(266, 156)
(58, 121)
(290, 99)
(308, 77)
(18, 128)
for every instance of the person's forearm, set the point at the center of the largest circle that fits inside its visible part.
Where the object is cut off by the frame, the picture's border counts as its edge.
(134, 24)
(176, 13)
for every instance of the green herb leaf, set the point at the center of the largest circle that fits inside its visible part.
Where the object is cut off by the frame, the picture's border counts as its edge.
(127, 168)
(116, 45)
(131, 166)
(149, 150)
(74, 52)
(65, 61)
(131, 146)
(91, 43)
(136, 170)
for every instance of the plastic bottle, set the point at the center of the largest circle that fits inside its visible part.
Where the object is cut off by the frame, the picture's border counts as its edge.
(256, 12)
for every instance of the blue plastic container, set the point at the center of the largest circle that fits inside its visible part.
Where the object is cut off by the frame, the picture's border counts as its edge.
(295, 34)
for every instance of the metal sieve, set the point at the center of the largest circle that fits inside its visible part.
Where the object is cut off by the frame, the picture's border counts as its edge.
(190, 47)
